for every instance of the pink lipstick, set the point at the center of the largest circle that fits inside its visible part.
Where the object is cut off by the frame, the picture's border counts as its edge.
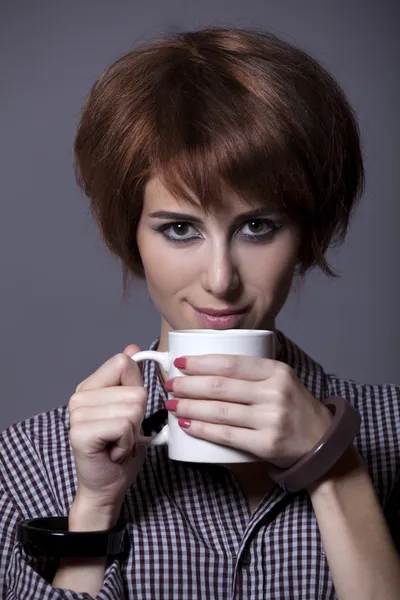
(224, 318)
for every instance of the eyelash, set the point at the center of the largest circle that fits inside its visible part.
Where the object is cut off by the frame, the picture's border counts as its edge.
(257, 238)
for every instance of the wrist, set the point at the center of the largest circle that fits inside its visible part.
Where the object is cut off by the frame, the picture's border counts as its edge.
(314, 465)
(85, 515)
(349, 465)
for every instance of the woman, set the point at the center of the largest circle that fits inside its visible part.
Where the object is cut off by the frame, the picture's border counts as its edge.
(220, 165)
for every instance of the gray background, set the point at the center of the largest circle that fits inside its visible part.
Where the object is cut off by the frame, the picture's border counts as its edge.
(61, 313)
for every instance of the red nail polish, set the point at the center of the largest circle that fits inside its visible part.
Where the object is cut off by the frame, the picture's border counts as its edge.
(171, 404)
(180, 363)
(169, 385)
(184, 423)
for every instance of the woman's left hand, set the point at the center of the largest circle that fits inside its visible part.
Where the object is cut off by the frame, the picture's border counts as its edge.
(253, 404)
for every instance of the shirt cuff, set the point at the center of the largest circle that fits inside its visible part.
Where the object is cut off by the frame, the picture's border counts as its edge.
(23, 580)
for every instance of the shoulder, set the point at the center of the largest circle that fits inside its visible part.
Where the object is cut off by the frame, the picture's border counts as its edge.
(378, 404)
(36, 462)
(365, 392)
(36, 434)
(379, 438)
(39, 425)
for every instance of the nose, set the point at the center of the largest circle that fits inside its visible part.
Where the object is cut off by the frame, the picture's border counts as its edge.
(220, 276)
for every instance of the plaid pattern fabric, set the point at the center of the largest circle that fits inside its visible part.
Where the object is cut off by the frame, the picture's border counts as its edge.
(192, 536)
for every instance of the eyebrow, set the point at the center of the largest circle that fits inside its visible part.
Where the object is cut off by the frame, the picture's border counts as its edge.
(251, 214)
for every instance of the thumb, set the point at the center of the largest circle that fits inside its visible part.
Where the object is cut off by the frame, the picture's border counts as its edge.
(132, 349)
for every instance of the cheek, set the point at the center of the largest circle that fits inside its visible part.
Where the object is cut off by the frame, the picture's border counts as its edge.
(270, 271)
(165, 274)
(271, 265)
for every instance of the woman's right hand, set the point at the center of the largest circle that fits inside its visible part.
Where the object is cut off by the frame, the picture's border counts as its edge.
(106, 413)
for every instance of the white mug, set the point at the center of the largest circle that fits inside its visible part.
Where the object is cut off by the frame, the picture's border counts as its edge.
(250, 342)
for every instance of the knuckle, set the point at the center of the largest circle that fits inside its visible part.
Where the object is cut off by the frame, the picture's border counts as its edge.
(221, 413)
(230, 365)
(275, 397)
(275, 423)
(284, 370)
(122, 361)
(141, 395)
(217, 384)
(281, 398)
(77, 436)
(74, 401)
(76, 415)
(134, 414)
(228, 435)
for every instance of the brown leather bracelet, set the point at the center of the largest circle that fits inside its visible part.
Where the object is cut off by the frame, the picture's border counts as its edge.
(333, 444)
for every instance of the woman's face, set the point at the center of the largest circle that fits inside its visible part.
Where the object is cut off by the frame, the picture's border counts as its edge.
(236, 263)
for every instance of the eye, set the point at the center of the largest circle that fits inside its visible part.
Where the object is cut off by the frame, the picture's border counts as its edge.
(181, 231)
(259, 228)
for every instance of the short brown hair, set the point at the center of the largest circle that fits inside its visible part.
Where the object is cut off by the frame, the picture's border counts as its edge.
(220, 107)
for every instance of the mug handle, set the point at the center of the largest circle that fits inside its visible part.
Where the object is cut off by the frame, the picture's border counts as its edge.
(162, 358)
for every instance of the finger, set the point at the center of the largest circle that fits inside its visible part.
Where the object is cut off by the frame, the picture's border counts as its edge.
(250, 368)
(132, 412)
(93, 437)
(132, 349)
(120, 369)
(110, 395)
(247, 440)
(219, 388)
(236, 415)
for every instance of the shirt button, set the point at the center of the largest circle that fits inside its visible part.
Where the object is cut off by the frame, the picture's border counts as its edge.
(245, 558)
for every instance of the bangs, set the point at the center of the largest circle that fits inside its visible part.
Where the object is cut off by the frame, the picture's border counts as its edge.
(213, 136)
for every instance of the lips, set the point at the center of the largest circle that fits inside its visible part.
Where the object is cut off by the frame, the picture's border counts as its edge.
(213, 312)
(226, 318)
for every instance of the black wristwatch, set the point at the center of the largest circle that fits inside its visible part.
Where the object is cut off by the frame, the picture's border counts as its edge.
(49, 536)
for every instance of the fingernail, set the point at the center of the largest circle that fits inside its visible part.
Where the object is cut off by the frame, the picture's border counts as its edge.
(169, 385)
(180, 363)
(171, 404)
(184, 423)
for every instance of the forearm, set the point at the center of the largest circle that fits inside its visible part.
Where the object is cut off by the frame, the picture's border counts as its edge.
(83, 574)
(361, 555)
